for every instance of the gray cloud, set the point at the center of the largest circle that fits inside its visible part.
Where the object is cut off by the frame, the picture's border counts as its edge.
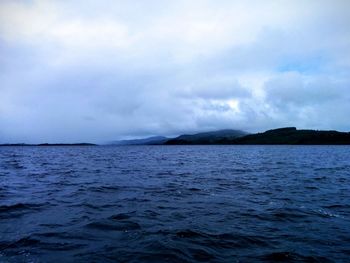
(293, 88)
(216, 88)
(88, 71)
(313, 102)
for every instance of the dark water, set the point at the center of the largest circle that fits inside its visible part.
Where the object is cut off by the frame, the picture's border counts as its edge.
(175, 204)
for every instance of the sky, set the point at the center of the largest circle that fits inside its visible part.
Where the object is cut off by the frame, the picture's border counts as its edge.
(96, 71)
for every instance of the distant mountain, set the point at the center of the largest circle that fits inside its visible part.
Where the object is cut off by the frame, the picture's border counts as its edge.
(49, 144)
(288, 135)
(214, 137)
(291, 135)
(67, 144)
(155, 140)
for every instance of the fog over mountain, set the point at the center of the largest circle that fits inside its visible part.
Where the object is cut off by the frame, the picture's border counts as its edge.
(98, 71)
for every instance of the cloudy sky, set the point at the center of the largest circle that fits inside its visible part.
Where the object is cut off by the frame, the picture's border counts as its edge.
(103, 70)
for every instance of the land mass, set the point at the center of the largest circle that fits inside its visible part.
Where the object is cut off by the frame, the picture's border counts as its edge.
(155, 140)
(291, 135)
(207, 137)
(48, 144)
(286, 136)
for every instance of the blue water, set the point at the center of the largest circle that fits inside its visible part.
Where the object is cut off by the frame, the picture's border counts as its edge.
(175, 204)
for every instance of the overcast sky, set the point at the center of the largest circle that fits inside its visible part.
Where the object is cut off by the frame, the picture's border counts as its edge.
(103, 70)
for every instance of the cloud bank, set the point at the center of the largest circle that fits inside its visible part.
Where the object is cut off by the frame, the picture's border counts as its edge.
(102, 70)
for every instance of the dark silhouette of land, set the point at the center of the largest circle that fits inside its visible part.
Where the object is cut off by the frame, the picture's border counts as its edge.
(48, 144)
(155, 140)
(207, 137)
(287, 136)
(291, 135)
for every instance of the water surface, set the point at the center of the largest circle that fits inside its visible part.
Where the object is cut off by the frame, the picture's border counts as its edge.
(175, 204)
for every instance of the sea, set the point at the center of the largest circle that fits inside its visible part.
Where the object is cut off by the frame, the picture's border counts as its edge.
(175, 204)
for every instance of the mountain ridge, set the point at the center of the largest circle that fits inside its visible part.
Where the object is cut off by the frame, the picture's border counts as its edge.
(279, 136)
(154, 140)
(210, 137)
(48, 144)
(293, 136)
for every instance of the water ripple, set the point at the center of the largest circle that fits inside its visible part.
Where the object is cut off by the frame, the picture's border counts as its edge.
(175, 204)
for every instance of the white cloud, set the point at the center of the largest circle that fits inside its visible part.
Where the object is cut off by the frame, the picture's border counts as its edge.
(114, 68)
